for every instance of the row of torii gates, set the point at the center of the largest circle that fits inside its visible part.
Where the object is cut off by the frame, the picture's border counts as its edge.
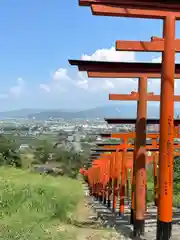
(110, 169)
(168, 45)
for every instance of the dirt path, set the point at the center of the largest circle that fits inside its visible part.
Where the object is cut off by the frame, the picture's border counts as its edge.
(89, 226)
(86, 225)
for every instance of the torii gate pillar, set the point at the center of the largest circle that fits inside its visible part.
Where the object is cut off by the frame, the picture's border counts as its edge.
(140, 160)
(164, 224)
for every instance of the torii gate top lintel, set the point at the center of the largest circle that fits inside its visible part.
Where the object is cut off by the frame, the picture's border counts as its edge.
(157, 9)
(133, 121)
(145, 4)
(120, 150)
(137, 68)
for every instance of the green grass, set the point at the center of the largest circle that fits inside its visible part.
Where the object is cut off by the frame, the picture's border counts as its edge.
(150, 191)
(33, 206)
(176, 193)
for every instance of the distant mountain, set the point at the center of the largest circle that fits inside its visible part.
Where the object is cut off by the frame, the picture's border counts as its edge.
(119, 110)
(26, 112)
(128, 111)
(21, 113)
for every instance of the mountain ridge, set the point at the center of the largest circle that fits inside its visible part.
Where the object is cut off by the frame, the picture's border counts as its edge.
(108, 111)
(119, 110)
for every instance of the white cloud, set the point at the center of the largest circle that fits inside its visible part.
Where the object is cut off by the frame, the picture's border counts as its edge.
(96, 85)
(110, 55)
(18, 89)
(157, 59)
(45, 87)
(61, 74)
(62, 81)
(108, 84)
(82, 81)
(15, 91)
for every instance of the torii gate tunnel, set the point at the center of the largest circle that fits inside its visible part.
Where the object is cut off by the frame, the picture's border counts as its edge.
(139, 170)
(109, 169)
(121, 161)
(169, 12)
(123, 157)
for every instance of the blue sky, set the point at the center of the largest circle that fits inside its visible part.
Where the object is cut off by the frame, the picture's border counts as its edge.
(38, 37)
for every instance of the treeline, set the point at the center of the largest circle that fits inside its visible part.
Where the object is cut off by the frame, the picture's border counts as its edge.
(41, 152)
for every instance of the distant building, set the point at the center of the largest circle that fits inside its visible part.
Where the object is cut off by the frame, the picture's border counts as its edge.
(70, 138)
(98, 138)
(23, 146)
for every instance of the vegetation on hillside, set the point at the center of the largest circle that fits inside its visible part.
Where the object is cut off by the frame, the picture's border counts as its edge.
(57, 153)
(34, 206)
(40, 152)
(176, 183)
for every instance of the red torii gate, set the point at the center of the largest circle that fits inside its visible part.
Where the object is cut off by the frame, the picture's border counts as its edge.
(115, 168)
(169, 12)
(139, 170)
(142, 97)
(133, 121)
(133, 68)
(128, 162)
(112, 176)
(108, 160)
(104, 163)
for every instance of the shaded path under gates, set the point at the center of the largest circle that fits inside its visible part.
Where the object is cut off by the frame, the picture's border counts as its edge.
(121, 224)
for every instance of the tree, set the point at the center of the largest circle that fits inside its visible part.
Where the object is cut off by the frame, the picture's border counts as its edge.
(69, 160)
(9, 152)
(43, 150)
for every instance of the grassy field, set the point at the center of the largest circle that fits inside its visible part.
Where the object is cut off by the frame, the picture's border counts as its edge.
(35, 206)
(150, 193)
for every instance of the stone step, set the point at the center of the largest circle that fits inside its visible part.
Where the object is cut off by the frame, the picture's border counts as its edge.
(122, 224)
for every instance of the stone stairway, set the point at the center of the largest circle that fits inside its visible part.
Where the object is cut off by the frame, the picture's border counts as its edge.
(121, 224)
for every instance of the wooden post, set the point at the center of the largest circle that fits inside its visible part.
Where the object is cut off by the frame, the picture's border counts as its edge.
(164, 224)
